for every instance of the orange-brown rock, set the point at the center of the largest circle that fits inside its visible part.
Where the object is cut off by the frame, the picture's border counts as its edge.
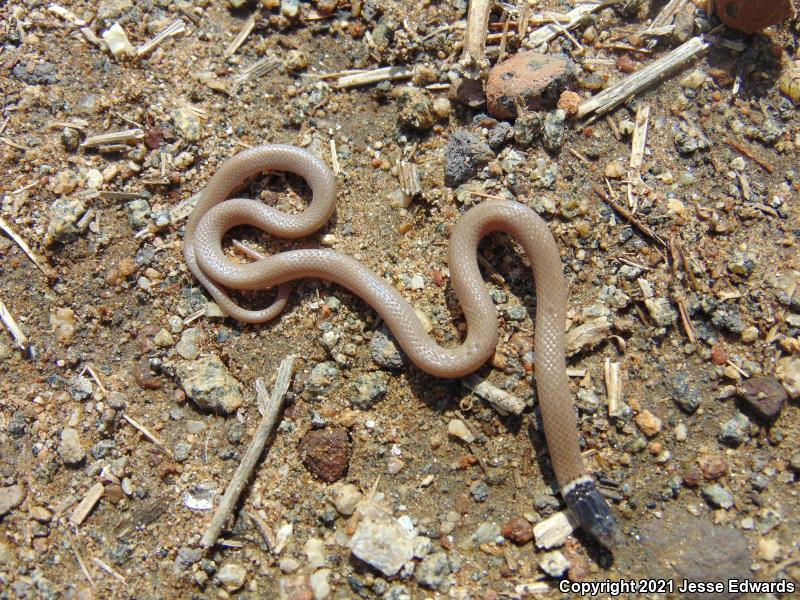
(529, 79)
(751, 16)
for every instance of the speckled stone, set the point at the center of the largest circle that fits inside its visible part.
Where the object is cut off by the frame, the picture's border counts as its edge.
(208, 382)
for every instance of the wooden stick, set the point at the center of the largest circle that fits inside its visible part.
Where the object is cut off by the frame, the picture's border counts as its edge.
(269, 406)
(553, 30)
(11, 324)
(174, 28)
(504, 402)
(48, 271)
(241, 36)
(613, 379)
(612, 97)
(87, 504)
(474, 55)
(144, 431)
(375, 76)
(741, 148)
(629, 216)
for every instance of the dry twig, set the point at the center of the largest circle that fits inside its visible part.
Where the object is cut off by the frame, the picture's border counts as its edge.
(48, 271)
(13, 328)
(269, 406)
(635, 83)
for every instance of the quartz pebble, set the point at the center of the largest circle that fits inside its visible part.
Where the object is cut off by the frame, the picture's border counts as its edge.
(346, 498)
(381, 540)
(70, 449)
(648, 423)
(554, 563)
(787, 371)
(457, 428)
(231, 576)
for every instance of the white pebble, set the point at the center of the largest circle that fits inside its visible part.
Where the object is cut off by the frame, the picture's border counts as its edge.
(457, 428)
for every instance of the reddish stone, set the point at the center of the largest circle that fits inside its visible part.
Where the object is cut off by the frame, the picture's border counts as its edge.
(718, 355)
(518, 530)
(326, 453)
(751, 16)
(765, 395)
(530, 79)
(713, 466)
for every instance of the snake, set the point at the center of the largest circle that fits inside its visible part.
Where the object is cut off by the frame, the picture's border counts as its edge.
(216, 212)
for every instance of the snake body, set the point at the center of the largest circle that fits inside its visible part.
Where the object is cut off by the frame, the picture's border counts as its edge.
(215, 213)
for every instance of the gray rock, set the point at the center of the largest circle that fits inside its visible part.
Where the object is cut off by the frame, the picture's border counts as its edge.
(486, 533)
(433, 570)
(528, 129)
(465, 154)
(11, 497)
(683, 393)
(65, 213)
(323, 378)
(498, 135)
(661, 311)
(70, 449)
(36, 73)
(680, 546)
(515, 312)
(479, 491)
(369, 389)
(231, 576)
(553, 129)
(80, 388)
(718, 496)
(384, 352)
(397, 592)
(734, 431)
(414, 109)
(110, 10)
(138, 214)
(187, 345)
(182, 451)
(188, 123)
(103, 448)
(209, 384)
(185, 558)
(741, 264)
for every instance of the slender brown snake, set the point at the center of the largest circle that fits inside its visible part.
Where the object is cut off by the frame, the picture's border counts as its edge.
(215, 214)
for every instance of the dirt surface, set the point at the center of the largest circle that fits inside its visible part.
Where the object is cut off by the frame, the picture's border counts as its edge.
(695, 294)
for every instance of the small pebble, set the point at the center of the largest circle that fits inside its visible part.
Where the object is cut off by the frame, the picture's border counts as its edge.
(718, 496)
(457, 428)
(648, 423)
(554, 563)
(346, 498)
(231, 576)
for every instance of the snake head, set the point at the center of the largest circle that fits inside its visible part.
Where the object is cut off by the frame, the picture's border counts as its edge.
(592, 511)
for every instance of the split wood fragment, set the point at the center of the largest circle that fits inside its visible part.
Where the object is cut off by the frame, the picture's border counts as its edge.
(637, 82)
(504, 402)
(87, 504)
(13, 328)
(269, 406)
(375, 76)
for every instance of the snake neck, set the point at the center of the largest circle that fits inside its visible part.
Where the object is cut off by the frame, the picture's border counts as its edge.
(591, 510)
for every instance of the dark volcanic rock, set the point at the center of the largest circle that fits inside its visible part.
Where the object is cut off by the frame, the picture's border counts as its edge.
(464, 155)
